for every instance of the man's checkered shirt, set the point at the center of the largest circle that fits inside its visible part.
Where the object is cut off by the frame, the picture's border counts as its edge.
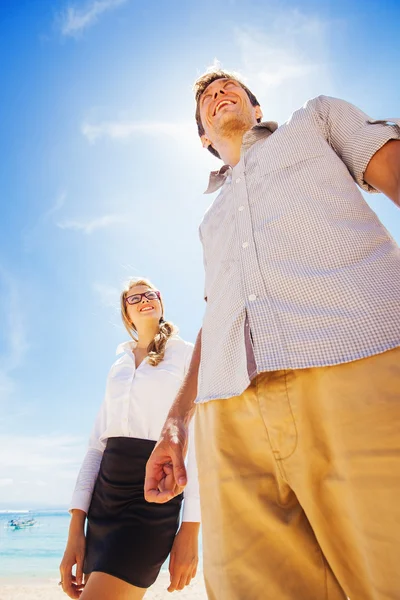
(292, 250)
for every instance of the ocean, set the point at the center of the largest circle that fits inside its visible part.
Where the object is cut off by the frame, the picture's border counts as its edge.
(34, 552)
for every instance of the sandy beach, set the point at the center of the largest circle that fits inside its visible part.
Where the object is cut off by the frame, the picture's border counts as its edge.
(48, 590)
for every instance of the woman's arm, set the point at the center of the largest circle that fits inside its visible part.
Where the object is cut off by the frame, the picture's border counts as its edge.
(89, 470)
(75, 549)
(184, 556)
(76, 544)
(86, 479)
(74, 555)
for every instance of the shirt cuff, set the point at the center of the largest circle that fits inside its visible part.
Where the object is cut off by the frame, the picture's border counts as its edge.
(81, 500)
(372, 137)
(191, 510)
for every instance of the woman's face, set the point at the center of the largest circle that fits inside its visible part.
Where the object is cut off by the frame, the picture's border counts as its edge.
(141, 309)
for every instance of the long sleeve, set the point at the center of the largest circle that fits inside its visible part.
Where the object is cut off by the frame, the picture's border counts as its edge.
(191, 503)
(83, 491)
(87, 476)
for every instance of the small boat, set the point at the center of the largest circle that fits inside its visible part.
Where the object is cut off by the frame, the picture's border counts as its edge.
(21, 523)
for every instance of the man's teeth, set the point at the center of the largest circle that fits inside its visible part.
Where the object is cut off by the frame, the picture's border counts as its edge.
(223, 103)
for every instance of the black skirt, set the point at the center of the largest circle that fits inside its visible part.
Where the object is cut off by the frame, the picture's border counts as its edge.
(128, 537)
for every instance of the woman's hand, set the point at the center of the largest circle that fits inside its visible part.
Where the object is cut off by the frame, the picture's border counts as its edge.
(74, 555)
(184, 556)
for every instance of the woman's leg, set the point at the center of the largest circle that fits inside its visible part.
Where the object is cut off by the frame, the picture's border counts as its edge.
(101, 586)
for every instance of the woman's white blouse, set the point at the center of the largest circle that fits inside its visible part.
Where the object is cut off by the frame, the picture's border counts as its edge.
(136, 405)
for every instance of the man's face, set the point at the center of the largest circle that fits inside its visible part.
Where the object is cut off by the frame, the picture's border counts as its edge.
(226, 110)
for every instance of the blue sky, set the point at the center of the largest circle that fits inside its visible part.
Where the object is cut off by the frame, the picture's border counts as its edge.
(102, 177)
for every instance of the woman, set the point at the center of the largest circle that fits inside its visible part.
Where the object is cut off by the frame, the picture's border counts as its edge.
(127, 539)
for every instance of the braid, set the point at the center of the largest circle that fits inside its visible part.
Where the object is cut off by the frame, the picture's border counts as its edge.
(156, 348)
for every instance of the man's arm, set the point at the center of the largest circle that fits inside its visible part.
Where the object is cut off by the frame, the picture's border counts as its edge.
(383, 171)
(184, 406)
(165, 471)
(368, 147)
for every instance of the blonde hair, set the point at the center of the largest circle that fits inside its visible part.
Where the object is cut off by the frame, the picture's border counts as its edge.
(156, 348)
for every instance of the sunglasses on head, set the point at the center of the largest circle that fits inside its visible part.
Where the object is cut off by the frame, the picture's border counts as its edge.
(150, 295)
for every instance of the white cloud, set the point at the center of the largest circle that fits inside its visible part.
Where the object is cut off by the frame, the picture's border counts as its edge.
(39, 452)
(286, 63)
(293, 48)
(108, 296)
(13, 332)
(92, 225)
(7, 384)
(6, 481)
(39, 469)
(30, 234)
(123, 130)
(58, 204)
(74, 20)
(285, 71)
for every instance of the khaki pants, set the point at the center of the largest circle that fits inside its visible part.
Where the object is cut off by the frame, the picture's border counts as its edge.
(300, 485)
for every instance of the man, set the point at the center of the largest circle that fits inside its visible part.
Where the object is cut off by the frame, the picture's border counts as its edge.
(298, 386)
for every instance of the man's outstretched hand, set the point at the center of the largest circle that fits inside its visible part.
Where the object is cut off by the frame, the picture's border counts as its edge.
(165, 471)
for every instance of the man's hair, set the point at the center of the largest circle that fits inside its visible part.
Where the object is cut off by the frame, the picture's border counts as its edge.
(202, 83)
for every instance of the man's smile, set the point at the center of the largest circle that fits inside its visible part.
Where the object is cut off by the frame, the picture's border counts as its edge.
(221, 104)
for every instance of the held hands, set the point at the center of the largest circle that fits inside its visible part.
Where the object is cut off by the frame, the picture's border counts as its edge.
(165, 471)
(74, 555)
(184, 556)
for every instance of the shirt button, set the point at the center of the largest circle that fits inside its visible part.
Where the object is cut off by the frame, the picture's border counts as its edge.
(240, 208)
(238, 180)
(252, 297)
(245, 244)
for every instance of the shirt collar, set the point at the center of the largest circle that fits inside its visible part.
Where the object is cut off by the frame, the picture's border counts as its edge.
(131, 345)
(258, 132)
(126, 347)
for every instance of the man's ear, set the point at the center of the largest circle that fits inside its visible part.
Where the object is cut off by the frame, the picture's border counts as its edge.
(205, 141)
(258, 112)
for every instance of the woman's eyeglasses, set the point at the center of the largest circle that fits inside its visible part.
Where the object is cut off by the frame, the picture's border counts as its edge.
(150, 295)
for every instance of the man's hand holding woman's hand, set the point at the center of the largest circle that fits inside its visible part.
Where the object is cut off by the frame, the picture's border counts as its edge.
(165, 471)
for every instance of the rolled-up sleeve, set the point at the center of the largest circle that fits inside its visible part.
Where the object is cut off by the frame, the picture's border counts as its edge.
(191, 503)
(353, 135)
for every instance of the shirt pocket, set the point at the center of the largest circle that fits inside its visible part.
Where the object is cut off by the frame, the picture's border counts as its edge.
(285, 152)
